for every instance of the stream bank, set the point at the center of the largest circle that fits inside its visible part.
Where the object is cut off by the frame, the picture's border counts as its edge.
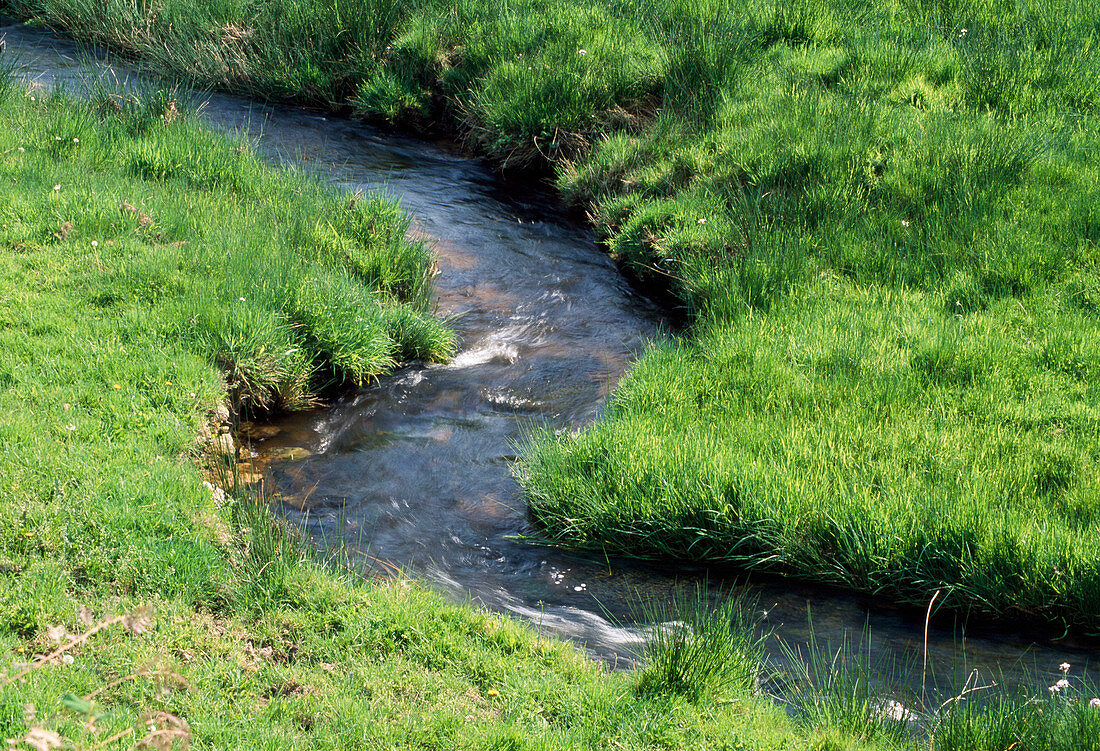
(416, 471)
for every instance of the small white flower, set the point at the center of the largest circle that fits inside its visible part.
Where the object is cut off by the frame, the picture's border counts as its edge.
(701, 221)
(57, 187)
(32, 98)
(57, 138)
(70, 427)
(1063, 683)
(21, 150)
(67, 659)
(95, 243)
(962, 32)
(1064, 667)
(904, 222)
(76, 140)
(582, 52)
(241, 299)
(1095, 703)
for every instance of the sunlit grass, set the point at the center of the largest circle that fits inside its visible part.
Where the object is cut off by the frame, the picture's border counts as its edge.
(706, 652)
(934, 162)
(859, 437)
(139, 605)
(884, 218)
(285, 285)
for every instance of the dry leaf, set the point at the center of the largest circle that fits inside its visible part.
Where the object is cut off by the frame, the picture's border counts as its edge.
(265, 652)
(164, 730)
(56, 634)
(138, 622)
(41, 739)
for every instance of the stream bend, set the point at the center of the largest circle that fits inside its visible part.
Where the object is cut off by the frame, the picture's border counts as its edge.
(416, 471)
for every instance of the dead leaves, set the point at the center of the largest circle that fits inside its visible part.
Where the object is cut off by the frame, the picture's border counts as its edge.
(139, 621)
(159, 731)
(41, 739)
(164, 731)
(144, 220)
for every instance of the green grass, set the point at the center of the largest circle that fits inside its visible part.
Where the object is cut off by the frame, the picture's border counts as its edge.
(887, 230)
(173, 611)
(1056, 724)
(840, 688)
(286, 285)
(883, 217)
(700, 650)
(860, 436)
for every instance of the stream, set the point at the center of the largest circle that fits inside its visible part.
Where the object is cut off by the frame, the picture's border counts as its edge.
(415, 472)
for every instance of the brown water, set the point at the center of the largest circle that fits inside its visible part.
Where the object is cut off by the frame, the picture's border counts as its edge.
(415, 472)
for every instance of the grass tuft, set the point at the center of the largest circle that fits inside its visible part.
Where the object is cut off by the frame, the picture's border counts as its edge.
(700, 650)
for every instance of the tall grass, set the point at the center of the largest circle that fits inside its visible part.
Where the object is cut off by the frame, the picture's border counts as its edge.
(842, 364)
(285, 285)
(863, 438)
(882, 216)
(841, 691)
(143, 607)
(842, 687)
(1025, 723)
(700, 650)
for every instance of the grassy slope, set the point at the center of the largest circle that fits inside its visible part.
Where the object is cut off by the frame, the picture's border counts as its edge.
(884, 214)
(109, 369)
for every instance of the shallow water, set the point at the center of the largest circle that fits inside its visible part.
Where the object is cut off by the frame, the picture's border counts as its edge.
(415, 472)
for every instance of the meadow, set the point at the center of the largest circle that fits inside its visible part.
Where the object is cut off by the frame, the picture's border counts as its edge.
(153, 272)
(881, 217)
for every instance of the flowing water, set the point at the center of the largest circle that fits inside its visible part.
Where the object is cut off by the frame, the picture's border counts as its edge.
(415, 472)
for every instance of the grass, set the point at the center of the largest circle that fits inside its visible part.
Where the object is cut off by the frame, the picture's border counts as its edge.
(1054, 724)
(700, 650)
(863, 437)
(891, 384)
(145, 607)
(882, 217)
(289, 287)
(831, 687)
(140, 605)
